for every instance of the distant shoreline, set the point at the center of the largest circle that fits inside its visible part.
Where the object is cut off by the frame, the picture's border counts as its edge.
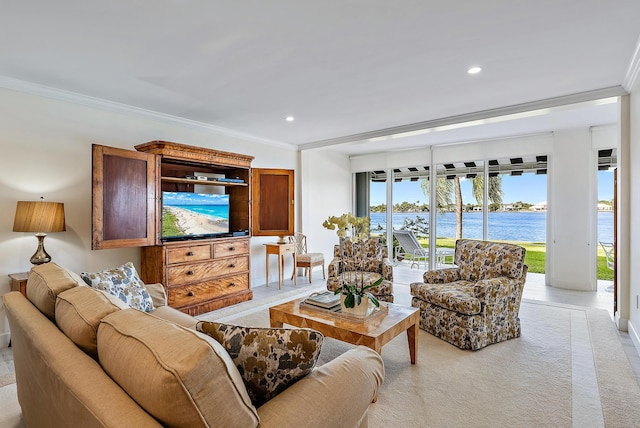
(192, 223)
(524, 226)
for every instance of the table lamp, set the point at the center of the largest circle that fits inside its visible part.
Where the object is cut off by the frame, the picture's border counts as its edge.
(40, 217)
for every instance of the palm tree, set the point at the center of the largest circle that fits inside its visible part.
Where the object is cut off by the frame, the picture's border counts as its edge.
(445, 188)
(495, 189)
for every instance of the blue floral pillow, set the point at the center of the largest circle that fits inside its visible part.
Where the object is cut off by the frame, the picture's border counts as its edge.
(124, 283)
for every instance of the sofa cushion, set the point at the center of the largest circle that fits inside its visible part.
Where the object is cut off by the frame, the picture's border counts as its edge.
(458, 296)
(170, 314)
(269, 359)
(78, 314)
(45, 282)
(181, 377)
(124, 283)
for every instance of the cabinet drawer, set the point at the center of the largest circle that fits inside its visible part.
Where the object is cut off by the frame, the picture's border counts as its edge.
(187, 254)
(187, 295)
(230, 248)
(183, 274)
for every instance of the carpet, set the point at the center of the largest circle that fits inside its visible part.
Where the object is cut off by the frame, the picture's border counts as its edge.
(7, 379)
(567, 369)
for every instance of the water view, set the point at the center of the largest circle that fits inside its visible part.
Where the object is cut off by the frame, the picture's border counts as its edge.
(525, 226)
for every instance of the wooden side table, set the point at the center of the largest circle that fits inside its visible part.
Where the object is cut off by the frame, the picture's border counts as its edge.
(280, 250)
(19, 282)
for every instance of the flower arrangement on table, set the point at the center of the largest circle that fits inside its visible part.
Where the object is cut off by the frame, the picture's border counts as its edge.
(353, 233)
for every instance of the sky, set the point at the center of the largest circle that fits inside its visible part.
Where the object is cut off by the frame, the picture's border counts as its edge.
(529, 188)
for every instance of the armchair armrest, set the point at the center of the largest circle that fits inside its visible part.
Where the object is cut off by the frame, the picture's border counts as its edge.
(441, 276)
(337, 394)
(157, 293)
(493, 290)
(387, 269)
(334, 267)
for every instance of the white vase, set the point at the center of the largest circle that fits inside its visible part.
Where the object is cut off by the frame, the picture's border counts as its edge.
(362, 310)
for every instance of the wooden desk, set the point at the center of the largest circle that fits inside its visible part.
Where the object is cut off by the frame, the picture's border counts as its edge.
(19, 282)
(280, 250)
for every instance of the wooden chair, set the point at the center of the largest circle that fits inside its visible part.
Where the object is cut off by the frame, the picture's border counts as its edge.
(304, 259)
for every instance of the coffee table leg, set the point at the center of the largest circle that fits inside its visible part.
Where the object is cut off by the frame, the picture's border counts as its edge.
(275, 322)
(412, 336)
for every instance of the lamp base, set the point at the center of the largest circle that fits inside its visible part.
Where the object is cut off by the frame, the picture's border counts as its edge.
(40, 256)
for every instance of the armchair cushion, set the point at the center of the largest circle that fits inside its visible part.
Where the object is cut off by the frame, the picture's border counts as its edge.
(482, 259)
(457, 296)
(268, 359)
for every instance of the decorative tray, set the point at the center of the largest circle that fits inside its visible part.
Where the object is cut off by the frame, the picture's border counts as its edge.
(383, 309)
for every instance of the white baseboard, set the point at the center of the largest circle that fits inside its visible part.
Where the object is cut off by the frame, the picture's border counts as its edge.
(633, 334)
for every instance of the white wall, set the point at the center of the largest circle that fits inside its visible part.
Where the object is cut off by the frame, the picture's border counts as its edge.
(325, 191)
(572, 218)
(45, 147)
(634, 210)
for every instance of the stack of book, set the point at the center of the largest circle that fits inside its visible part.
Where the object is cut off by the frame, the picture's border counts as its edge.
(326, 300)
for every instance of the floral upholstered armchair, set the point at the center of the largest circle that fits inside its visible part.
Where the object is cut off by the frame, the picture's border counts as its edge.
(477, 303)
(367, 260)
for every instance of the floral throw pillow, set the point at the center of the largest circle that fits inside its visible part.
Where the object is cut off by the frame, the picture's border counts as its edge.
(269, 359)
(124, 283)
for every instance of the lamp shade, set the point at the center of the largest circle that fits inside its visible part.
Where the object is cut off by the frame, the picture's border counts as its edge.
(39, 216)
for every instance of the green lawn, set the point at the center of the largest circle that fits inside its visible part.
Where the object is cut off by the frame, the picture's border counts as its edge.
(535, 258)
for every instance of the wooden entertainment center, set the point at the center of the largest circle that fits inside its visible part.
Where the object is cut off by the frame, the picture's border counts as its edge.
(199, 275)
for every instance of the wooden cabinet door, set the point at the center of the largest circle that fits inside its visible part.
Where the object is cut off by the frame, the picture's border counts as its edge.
(273, 202)
(124, 199)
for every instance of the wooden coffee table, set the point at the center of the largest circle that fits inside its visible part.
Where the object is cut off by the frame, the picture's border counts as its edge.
(374, 333)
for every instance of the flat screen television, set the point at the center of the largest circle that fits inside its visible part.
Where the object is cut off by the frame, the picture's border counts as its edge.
(187, 215)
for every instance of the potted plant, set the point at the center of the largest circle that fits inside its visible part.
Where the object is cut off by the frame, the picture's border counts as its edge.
(354, 294)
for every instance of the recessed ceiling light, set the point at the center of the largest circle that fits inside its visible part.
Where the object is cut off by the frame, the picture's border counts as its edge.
(290, 118)
(474, 70)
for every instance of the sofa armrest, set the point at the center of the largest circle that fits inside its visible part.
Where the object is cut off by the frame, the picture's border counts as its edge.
(441, 276)
(337, 394)
(157, 293)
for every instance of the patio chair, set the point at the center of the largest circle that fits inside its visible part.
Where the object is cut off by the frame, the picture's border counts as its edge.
(608, 252)
(409, 246)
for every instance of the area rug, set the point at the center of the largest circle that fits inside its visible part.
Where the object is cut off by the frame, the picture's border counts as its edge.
(567, 369)
(7, 379)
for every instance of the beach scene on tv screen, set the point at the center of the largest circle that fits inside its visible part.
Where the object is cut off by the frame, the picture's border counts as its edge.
(193, 214)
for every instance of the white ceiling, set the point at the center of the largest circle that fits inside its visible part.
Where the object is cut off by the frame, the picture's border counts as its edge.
(342, 68)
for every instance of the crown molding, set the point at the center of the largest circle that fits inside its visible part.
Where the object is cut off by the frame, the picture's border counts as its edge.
(633, 70)
(581, 97)
(101, 104)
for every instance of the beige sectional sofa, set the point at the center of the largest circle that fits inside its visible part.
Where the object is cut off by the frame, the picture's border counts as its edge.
(83, 358)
